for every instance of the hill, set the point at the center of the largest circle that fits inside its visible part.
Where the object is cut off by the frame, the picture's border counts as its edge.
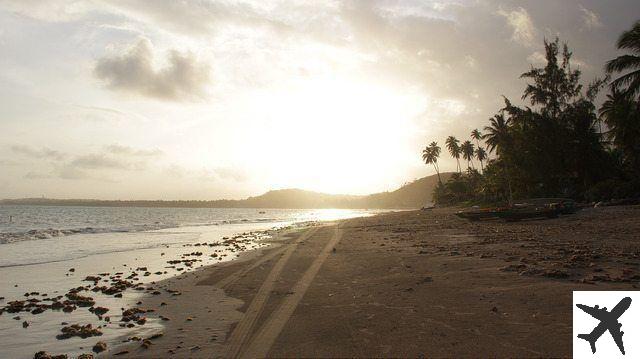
(412, 195)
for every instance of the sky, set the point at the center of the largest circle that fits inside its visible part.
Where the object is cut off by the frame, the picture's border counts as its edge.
(208, 99)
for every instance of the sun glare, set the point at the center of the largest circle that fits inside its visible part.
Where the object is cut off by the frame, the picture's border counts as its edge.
(333, 134)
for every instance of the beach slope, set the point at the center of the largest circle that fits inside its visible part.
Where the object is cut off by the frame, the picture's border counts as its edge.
(408, 284)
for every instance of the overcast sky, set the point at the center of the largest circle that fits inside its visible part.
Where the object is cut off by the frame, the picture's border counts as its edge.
(204, 99)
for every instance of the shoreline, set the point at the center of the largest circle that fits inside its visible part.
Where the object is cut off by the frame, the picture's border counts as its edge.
(142, 286)
(396, 284)
(211, 317)
(406, 284)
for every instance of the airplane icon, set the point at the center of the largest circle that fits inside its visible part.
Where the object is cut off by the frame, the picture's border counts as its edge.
(608, 321)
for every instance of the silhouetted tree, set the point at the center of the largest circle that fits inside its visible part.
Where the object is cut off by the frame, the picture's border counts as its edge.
(468, 152)
(481, 155)
(621, 114)
(476, 135)
(453, 147)
(497, 136)
(629, 83)
(430, 156)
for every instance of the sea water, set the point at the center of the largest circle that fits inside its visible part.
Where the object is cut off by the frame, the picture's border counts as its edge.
(51, 249)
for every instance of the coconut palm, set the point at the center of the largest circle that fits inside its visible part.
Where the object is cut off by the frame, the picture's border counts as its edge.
(468, 152)
(629, 83)
(497, 134)
(476, 135)
(622, 117)
(481, 155)
(453, 147)
(430, 156)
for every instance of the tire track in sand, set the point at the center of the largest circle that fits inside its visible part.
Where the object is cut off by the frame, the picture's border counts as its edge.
(223, 283)
(240, 334)
(265, 337)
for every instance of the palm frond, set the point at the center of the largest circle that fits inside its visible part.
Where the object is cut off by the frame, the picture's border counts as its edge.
(623, 63)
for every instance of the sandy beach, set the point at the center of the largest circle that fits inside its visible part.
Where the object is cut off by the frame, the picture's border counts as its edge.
(400, 284)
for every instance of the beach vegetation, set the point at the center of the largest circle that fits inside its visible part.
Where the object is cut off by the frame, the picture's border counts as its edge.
(558, 143)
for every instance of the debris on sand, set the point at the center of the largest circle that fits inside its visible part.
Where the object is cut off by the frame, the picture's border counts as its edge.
(99, 347)
(77, 330)
(45, 355)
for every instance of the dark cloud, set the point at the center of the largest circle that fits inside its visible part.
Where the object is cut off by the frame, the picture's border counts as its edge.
(183, 78)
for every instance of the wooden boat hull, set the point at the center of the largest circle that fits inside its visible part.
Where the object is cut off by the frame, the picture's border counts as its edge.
(529, 213)
(478, 215)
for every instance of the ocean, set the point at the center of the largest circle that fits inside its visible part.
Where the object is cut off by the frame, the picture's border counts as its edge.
(51, 249)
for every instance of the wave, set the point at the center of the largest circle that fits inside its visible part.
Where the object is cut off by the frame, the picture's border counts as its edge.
(35, 234)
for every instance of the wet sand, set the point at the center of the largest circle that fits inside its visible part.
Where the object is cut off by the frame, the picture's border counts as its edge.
(403, 284)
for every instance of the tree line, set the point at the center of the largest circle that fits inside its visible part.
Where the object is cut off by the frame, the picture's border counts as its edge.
(559, 144)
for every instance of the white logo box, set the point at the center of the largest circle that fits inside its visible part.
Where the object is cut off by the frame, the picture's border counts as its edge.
(584, 323)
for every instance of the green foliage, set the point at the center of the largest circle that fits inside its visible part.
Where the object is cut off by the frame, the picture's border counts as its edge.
(556, 147)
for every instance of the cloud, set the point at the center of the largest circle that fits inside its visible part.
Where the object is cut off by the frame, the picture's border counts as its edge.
(182, 78)
(48, 10)
(590, 18)
(36, 175)
(130, 151)
(69, 172)
(99, 161)
(98, 166)
(538, 58)
(228, 173)
(231, 173)
(524, 31)
(42, 153)
(6, 162)
(116, 157)
(217, 174)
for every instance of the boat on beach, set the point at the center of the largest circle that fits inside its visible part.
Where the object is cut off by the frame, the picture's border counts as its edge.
(477, 213)
(523, 209)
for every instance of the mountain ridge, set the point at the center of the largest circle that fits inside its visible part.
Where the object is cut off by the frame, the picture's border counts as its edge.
(411, 195)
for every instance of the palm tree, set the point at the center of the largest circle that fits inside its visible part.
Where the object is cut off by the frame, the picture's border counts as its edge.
(481, 155)
(454, 149)
(621, 114)
(629, 82)
(467, 152)
(476, 135)
(430, 155)
(497, 134)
